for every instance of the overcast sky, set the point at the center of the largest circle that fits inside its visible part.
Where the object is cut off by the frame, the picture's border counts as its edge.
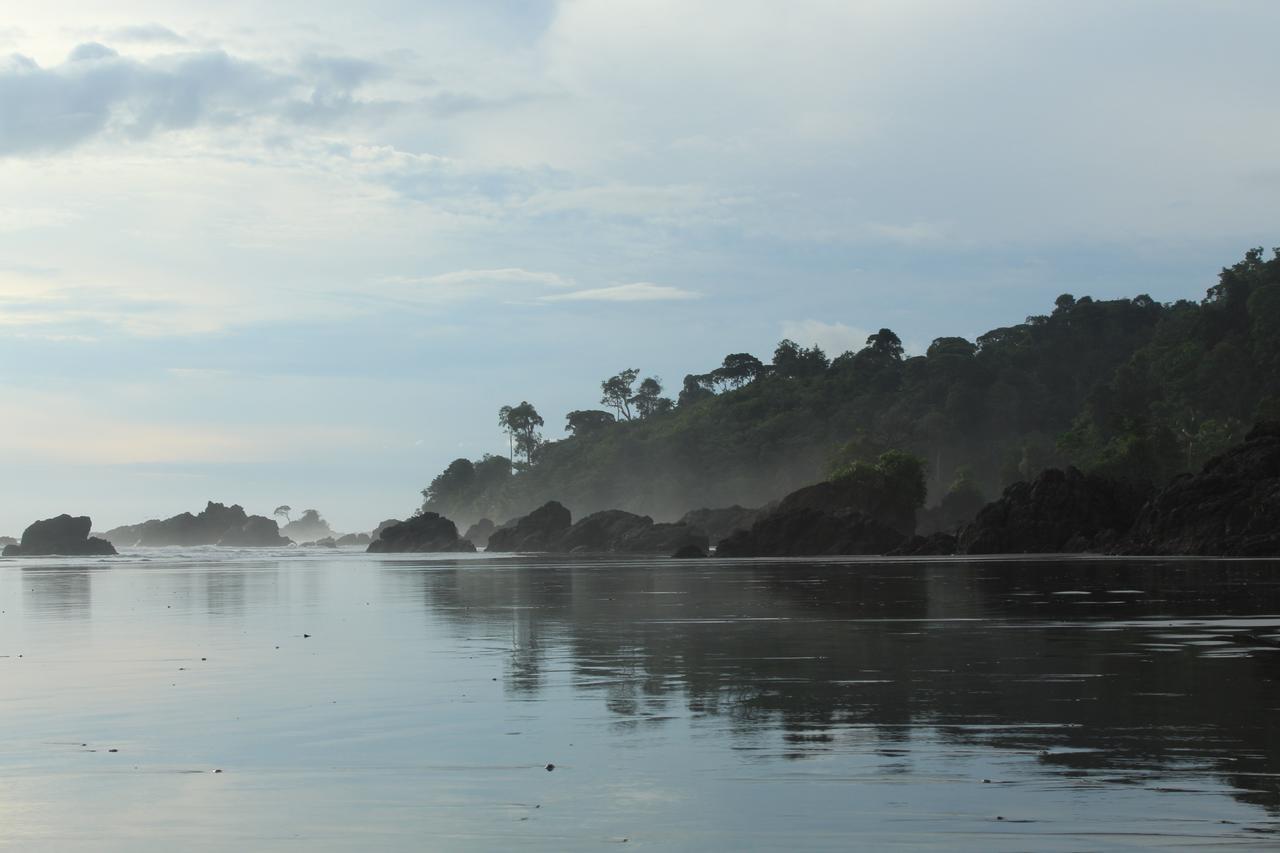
(301, 252)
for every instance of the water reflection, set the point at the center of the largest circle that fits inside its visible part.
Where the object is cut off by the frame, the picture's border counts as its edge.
(58, 593)
(1109, 673)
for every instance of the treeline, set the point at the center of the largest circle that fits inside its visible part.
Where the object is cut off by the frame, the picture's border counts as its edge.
(1131, 388)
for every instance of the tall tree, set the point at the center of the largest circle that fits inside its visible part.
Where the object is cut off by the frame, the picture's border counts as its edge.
(521, 424)
(617, 392)
(647, 396)
(582, 422)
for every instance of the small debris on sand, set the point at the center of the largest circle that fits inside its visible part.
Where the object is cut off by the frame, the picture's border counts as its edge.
(550, 767)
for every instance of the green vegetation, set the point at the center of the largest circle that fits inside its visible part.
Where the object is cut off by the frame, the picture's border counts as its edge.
(1128, 387)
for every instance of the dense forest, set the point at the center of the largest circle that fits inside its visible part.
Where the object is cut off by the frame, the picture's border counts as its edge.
(1131, 388)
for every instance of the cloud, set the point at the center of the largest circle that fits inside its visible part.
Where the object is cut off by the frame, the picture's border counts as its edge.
(834, 338)
(147, 33)
(640, 291)
(502, 276)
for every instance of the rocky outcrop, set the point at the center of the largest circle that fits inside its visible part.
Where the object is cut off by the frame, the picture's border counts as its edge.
(63, 536)
(849, 494)
(540, 530)
(353, 539)
(1058, 511)
(7, 540)
(310, 527)
(1231, 508)
(256, 532)
(689, 552)
(721, 523)
(426, 533)
(809, 532)
(377, 531)
(480, 532)
(933, 545)
(327, 542)
(602, 531)
(213, 523)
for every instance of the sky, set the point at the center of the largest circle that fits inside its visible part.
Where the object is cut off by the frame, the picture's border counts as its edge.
(301, 252)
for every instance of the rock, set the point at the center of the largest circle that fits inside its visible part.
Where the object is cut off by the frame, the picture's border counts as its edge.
(1230, 509)
(1056, 512)
(689, 552)
(602, 531)
(377, 531)
(7, 540)
(426, 533)
(935, 544)
(540, 530)
(720, 523)
(353, 539)
(811, 532)
(835, 496)
(480, 532)
(662, 539)
(310, 527)
(61, 536)
(257, 532)
(183, 530)
(327, 542)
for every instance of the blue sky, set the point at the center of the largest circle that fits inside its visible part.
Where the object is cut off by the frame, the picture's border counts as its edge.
(303, 253)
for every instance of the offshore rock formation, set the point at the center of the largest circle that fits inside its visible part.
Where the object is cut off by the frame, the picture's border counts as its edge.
(215, 523)
(426, 533)
(938, 544)
(309, 527)
(480, 532)
(63, 536)
(611, 531)
(353, 539)
(808, 531)
(540, 530)
(721, 523)
(256, 532)
(1231, 508)
(1058, 511)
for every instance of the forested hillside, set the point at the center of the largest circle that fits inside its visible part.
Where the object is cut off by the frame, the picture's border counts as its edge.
(1129, 387)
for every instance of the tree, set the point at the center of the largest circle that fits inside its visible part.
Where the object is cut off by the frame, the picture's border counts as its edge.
(283, 511)
(886, 344)
(738, 369)
(792, 361)
(647, 396)
(696, 387)
(521, 424)
(617, 392)
(582, 422)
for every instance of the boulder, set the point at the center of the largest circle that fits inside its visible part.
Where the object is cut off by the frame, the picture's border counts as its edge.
(1230, 509)
(63, 536)
(480, 532)
(426, 533)
(720, 523)
(540, 530)
(935, 544)
(661, 539)
(376, 533)
(602, 531)
(256, 532)
(849, 493)
(811, 532)
(213, 523)
(1056, 512)
(689, 552)
(353, 539)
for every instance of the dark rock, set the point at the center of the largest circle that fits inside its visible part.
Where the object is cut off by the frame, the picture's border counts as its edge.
(353, 539)
(184, 530)
(62, 536)
(540, 530)
(480, 532)
(935, 544)
(1056, 512)
(256, 532)
(850, 494)
(689, 552)
(811, 532)
(426, 533)
(601, 531)
(1230, 509)
(376, 533)
(720, 523)
(661, 539)
(327, 542)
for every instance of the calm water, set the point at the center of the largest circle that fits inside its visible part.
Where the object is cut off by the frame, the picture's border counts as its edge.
(942, 705)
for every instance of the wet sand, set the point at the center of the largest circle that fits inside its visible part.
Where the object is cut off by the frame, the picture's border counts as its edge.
(351, 700)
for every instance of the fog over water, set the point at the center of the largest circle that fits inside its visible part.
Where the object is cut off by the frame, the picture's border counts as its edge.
(396, 703)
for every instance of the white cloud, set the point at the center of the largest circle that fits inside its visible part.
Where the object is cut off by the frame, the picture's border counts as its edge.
(640, 291)
(834, 338)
